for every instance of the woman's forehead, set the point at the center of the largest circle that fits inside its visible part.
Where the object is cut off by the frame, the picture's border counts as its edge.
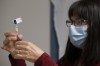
(73, 18)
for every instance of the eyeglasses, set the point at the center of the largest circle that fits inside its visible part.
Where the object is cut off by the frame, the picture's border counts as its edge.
(79, 22)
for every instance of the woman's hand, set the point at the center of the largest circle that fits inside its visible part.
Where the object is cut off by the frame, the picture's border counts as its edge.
(21, 49)
(9, 42)
(27, 50)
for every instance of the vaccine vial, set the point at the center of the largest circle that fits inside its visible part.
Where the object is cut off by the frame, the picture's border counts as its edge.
(16, 22)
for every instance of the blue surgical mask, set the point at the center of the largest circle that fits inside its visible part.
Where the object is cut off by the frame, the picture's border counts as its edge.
(78, 35)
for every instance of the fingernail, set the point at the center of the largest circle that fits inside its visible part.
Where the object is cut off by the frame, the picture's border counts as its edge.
(20, 37)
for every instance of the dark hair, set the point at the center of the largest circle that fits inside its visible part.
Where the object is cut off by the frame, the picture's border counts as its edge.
(90, 54)
(93, 1)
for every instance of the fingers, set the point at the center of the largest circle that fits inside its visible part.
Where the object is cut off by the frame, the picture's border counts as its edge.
(5, 43)
(27, 51)
(13, 36)
(8, 46)
(21, 47)
(7, 34)
(10, 40)
(20, 54)
(21, 50)
(22, 43)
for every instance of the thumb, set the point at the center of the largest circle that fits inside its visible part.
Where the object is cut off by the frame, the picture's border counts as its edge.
(20, 37)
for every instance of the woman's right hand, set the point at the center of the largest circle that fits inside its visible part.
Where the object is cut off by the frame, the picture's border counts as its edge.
(10, 40)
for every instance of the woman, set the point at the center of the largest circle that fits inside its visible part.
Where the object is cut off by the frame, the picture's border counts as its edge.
(83, 47)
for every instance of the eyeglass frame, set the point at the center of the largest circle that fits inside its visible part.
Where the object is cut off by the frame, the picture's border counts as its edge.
(78, 22)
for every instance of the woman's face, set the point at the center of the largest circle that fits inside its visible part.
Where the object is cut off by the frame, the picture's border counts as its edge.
(78, 32)
(78, 21)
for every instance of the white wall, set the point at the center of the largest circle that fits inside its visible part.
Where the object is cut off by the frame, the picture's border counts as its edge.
(35, 26)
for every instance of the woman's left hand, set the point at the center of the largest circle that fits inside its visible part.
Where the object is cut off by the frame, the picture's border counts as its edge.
(27, 51)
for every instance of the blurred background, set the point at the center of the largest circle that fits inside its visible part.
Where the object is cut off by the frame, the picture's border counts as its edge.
(43, 23)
